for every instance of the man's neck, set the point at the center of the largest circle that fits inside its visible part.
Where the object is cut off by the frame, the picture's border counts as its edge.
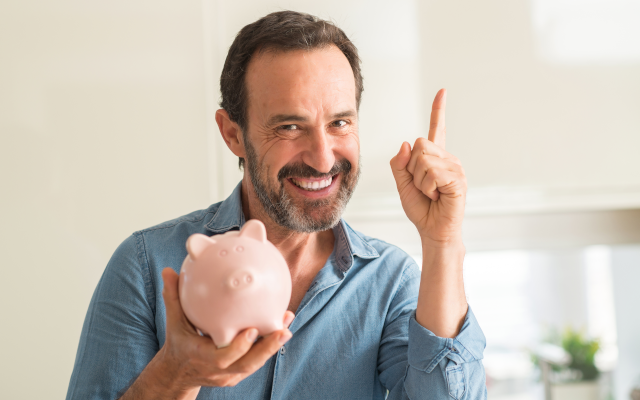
(300, 250)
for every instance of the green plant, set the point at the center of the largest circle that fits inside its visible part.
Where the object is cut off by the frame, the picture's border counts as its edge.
(582, 351)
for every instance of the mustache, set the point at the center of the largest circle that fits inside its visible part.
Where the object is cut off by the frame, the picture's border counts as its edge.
(302, 170)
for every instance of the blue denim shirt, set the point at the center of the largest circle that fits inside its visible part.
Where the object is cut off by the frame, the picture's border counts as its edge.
(355, 335)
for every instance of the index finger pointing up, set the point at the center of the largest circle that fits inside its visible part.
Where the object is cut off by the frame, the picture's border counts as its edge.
(437, 128)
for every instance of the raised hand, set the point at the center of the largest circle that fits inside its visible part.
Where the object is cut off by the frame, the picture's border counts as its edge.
(431, 182)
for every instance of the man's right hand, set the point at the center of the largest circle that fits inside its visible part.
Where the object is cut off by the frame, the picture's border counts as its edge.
(188, 361)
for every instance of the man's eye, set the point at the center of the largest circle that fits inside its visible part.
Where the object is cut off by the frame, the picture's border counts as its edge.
(290, 127)
(340, 123)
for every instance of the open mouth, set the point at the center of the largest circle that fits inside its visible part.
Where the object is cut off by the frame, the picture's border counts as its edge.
(312, 184)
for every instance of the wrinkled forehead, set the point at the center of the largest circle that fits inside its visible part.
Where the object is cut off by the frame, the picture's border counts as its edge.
(303, 81)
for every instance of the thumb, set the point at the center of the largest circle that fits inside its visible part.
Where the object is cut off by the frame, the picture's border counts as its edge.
(399, 166)
(171, 296)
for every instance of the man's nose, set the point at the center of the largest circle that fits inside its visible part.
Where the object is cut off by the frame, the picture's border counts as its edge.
(319, 154)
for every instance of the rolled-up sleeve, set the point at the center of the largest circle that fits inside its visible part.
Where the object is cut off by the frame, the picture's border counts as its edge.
(414, 363)
(443, 367)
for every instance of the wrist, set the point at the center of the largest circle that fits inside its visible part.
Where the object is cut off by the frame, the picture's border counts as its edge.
(453, 243)
(443, 255)
(169, 376)
(161, 379)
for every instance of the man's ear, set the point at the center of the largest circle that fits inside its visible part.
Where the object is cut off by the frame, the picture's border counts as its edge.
(231, 133)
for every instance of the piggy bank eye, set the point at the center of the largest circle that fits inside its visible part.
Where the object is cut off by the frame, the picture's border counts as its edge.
(239, 249)
(235, 282)
(223, 253)
(247, 278)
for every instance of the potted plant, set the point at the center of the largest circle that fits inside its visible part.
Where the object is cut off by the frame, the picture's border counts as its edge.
(579, 379)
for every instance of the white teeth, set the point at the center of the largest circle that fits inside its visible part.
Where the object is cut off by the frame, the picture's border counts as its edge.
(317, 185)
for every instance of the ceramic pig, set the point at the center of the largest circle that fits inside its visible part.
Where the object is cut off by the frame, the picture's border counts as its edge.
(234, 281)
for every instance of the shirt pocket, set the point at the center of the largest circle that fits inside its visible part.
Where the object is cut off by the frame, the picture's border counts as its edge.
(455, 381)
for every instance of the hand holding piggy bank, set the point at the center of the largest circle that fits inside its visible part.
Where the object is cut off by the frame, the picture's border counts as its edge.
(234, 281)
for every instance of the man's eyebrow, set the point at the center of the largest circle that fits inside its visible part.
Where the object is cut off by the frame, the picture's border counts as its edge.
(344, 114)
(280, 118)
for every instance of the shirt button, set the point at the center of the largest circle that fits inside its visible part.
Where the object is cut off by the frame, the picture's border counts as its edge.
(282, 350)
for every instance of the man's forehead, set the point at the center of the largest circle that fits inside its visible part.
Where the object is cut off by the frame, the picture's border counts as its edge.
(301, 79)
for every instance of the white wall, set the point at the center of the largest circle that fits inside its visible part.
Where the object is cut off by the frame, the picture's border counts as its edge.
(102, 132)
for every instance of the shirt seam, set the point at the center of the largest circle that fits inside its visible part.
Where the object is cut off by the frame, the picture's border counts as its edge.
(150, 290)
(177, 221)
(72, 385)
(403, 280)
(475, 357)
(404, 277)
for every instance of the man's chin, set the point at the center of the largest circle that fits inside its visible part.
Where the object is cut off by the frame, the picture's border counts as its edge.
(314, 219)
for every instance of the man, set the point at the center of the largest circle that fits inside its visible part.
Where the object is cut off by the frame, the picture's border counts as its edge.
(367, 320)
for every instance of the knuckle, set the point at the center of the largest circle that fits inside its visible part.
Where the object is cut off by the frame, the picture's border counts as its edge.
(219, 363)
(233, 381)
(246, 369)
(422, 162)
(433, 149)
(217, 381)
(228, 380)
(259, 363)
(412, 166)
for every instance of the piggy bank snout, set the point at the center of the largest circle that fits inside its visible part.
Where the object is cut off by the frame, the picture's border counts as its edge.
(241, 280)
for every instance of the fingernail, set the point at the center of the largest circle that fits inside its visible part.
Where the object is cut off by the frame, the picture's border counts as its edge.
(252, 335)
(285, 336)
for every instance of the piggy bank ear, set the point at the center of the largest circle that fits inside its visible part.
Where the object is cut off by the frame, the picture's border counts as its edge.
(254, 229)
(197, 243)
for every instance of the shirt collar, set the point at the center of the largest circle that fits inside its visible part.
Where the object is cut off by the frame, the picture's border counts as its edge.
(229, 214)
(349, 243)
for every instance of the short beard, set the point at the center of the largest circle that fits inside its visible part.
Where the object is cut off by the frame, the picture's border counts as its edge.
(280, 206)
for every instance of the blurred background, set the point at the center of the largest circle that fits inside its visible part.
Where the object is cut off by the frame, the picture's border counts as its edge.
(107, 127)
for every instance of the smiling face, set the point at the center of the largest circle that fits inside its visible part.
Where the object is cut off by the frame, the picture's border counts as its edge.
(301, 142)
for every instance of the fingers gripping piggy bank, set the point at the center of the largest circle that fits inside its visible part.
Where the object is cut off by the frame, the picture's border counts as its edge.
(234, 281)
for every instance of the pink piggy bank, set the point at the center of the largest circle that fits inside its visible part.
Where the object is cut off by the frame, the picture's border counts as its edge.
(234, 281)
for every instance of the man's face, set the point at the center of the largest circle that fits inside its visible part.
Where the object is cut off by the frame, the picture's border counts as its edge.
(302, 141)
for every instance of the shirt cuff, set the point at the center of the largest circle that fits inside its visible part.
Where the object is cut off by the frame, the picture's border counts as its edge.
(426, 349)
